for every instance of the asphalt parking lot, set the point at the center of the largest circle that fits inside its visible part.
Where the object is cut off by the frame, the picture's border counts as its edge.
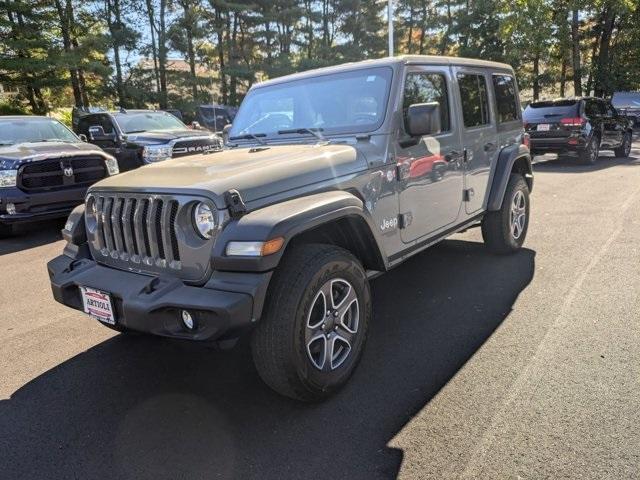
(477, 366)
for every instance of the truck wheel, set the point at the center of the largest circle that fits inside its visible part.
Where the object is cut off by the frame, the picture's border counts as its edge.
(504, 230)
(589, 156)
(624, 150)
(313, 330)
(6, 230)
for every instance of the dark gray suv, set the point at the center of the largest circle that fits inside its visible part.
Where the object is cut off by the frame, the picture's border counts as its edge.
(331, 177)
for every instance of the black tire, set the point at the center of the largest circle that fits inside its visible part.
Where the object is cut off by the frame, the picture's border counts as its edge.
(497, 227)
(624, 150)
(280, 342)
(6, 230)
(589, 156)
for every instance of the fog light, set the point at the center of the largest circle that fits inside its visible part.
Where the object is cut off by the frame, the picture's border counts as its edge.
(187, 320)
(11, 208)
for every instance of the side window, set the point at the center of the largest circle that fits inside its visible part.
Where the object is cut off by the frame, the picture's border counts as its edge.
(427, 88)
(506, 99)
(106, 123)
(473, 95)
(83, 125)
(594, 108)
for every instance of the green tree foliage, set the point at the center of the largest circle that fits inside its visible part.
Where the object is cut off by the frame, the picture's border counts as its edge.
(65, 52)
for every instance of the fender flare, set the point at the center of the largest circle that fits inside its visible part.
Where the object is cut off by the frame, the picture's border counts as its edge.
(286, 219)
(504, 166)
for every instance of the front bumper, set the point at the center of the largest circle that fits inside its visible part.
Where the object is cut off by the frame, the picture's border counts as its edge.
(223, 308)
(32, 207)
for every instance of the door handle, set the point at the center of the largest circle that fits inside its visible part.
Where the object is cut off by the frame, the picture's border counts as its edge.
(489, 147)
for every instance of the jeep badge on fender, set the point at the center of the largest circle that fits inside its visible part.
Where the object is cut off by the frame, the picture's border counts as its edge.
(278, 235)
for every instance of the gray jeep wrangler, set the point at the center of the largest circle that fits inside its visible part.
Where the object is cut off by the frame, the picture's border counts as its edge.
(330, 177)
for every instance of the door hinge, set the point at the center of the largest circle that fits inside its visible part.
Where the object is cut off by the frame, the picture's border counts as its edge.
(404, 220)
(467, 194)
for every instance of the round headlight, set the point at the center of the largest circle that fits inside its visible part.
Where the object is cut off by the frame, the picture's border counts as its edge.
(204, 219)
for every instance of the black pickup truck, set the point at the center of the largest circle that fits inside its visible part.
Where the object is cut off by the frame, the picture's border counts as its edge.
(45, 170)
(140, 137)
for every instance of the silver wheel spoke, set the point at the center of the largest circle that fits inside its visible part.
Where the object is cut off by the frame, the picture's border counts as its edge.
(332, 324)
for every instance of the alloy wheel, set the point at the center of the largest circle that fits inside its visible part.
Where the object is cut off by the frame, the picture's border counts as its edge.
(332, 324)
(517, 214)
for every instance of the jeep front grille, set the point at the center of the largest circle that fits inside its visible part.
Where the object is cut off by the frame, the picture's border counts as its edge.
(137, 229)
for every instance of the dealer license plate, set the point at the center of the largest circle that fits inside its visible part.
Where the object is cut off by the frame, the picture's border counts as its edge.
(98, 305)
(544, 127)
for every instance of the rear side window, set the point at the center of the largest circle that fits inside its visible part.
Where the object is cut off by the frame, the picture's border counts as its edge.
(473, 95)
(594, 108)
(551, 109)
(427, 88)
(506, 100)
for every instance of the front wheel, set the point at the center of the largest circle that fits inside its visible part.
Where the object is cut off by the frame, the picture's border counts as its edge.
(504, 230)
(624, 150)
(313, 329)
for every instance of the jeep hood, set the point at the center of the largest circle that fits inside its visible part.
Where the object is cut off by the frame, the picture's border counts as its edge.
(12, 156)
(255, 172)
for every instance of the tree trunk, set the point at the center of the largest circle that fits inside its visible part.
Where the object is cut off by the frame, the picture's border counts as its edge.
(536, 77)
(64, 16)
(445, 36)
(575, 51)
(162, 54)
(601, 85)
(563, 76)
(154, 49)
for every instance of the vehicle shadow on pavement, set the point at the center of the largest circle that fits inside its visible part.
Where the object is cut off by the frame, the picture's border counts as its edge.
(140, 407)
(572, 165)
(32, 235)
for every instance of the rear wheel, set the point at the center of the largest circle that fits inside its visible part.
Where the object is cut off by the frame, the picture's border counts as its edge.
(504, 231)
(624, 150)
(315, 323)
(589, 156)
(6, 230)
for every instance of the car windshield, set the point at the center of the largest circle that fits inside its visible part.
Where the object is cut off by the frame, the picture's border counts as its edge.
(347, 102)
(23, 130)
(626, 100)
(146, 121)
(547, 109)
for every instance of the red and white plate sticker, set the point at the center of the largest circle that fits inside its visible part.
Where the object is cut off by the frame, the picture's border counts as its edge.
(98, 305)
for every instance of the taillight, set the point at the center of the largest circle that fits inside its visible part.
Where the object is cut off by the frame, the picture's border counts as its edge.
(526, 140)
(572, 122)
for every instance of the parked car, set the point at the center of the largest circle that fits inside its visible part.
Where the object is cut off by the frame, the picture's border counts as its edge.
(45, 170)
(140, 137)
(628, 103)
(577, 127)
(330, 179)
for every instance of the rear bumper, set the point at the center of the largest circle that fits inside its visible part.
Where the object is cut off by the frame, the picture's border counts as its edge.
(32, 207)
(222, 309)
(563, 145)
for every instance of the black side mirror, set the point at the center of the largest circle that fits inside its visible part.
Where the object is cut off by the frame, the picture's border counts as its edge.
(196, 125)
(423, 119)
(96, 132)
(83, 137)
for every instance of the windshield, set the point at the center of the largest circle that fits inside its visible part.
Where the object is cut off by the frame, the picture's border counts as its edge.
(564, 108)
(626, 100)
(18, 130)
(145, 121)
(348, 102)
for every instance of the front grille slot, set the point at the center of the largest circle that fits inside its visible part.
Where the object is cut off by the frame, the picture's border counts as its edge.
(136, 229)
(56, 173)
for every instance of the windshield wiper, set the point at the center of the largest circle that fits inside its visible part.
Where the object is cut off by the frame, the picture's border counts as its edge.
(251, 136)
(316, 132)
